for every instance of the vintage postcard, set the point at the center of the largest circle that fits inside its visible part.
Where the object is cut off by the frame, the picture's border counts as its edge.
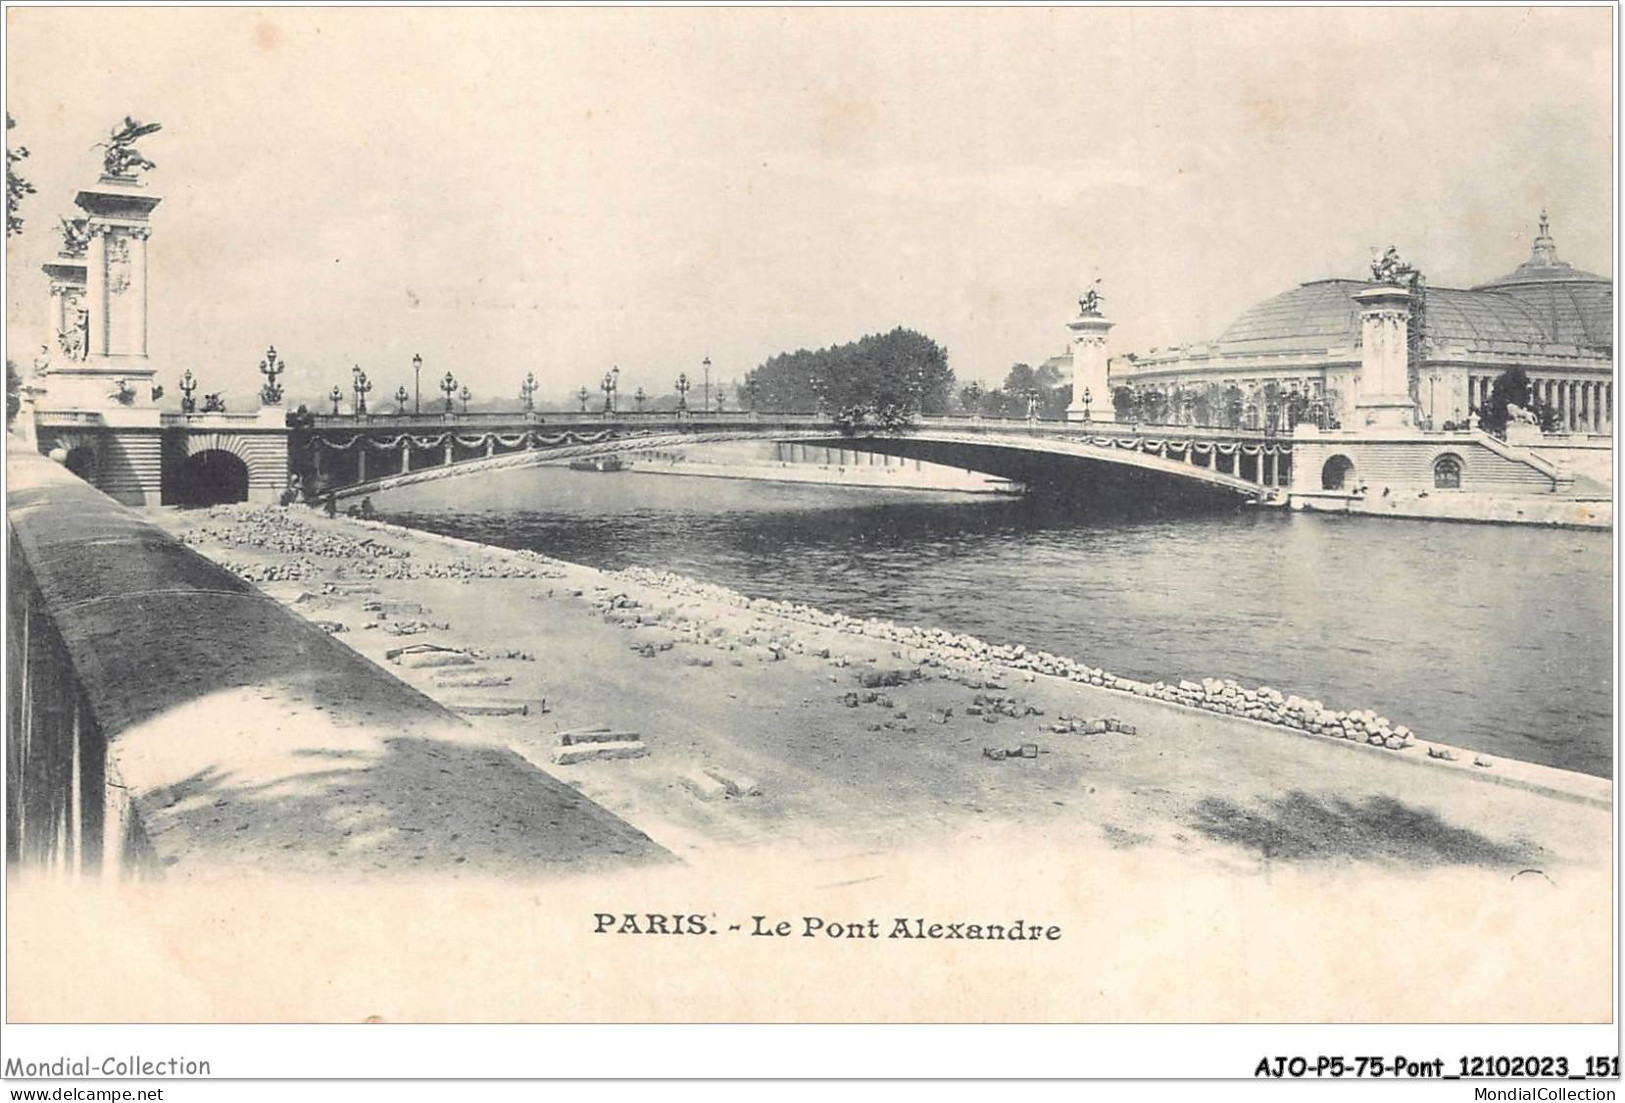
(812, 515)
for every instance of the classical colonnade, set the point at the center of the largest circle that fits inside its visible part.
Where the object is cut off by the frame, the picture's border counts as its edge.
(1583, 406)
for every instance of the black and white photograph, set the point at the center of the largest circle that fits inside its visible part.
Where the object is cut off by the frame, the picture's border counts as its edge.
(1084, 516)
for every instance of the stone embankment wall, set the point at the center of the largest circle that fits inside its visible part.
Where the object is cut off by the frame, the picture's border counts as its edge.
(1409, 463)
(163, 711)
(127, 464)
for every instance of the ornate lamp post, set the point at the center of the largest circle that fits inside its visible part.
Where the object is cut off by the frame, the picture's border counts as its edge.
(188, 385)
(465, 394)
(400, 399)
(1087, 398)
(682, 393)
(608, 387)
(336, 396)
(706, 364)
(1032, 404)
(615, 389)
(527, 391)
(271, 367)
(721, 398)
(362, 386)
(583, 395)
(640, 398)
(417, 383)
(448, 387)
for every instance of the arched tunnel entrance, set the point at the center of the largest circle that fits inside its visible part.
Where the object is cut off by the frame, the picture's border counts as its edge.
(82, 462)
(209, 478)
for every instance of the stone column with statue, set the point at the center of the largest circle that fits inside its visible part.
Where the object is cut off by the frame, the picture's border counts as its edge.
(99, 367)
(1091, 391)
(1385, 400)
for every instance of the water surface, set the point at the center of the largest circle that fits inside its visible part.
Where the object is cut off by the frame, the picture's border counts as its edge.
(1495, 638)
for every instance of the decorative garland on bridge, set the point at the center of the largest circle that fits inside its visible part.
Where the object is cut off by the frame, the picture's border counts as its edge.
(1201, 448)
(513, 440)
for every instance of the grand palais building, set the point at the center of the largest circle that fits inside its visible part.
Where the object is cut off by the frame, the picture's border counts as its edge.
(1552, 320)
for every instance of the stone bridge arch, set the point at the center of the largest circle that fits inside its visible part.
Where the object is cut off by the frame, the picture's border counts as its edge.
(1165, 470)
(263, 456)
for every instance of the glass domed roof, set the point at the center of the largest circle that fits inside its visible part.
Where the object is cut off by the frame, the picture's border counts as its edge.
(1574, 307)
(1544, 302)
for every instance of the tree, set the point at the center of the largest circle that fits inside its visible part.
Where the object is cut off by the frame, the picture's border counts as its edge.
(970, 397)
(1512, 387)
(14, 386)
(1203, 405)
(16, 186)
(1235, 405)
(1124, 403)
(1044, 383)
(1297, 408)
(902, 369)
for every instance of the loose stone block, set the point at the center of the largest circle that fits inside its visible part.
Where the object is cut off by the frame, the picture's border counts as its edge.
(465, 678)
(598, 752)
(737, 785)
(489, 708)
(703, 785)
(428, 660)
(392, 608)
(596, 735)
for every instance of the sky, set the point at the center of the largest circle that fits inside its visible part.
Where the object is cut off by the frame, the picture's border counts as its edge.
(563, 191)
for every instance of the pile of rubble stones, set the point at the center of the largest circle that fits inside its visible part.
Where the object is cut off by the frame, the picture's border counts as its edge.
(937, 646)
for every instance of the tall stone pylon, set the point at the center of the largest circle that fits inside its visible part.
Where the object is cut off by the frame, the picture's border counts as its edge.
(98, 376)
(1385, 400)
(1091, 393)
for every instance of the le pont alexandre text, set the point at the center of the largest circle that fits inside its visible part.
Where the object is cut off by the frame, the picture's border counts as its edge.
(817, 926)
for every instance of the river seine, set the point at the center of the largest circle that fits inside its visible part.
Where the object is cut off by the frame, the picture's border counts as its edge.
(1489, 637)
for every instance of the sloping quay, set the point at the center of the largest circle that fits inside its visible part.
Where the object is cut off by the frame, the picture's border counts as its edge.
(167, 716)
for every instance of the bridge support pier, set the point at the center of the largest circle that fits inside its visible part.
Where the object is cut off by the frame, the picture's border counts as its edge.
(406, 456)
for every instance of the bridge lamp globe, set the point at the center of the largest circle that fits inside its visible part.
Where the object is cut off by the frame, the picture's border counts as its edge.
(417, 383)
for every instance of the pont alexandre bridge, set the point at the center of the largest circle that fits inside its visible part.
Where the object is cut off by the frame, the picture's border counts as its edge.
(348, 456)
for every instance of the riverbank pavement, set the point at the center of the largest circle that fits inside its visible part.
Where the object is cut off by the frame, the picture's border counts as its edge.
(712, 721)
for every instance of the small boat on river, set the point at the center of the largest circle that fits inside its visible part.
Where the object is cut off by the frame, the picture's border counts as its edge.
(598, 463)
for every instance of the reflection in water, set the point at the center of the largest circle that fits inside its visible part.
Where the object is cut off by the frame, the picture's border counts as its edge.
(1493, 638)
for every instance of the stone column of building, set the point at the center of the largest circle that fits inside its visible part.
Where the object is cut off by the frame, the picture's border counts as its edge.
(1091, 389)
(1385, 400)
